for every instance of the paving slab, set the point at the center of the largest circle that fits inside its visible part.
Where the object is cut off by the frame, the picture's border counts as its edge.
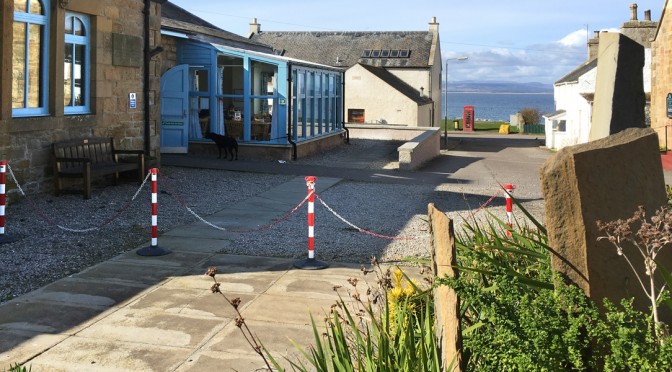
(47, 317)
(154, 326)
(225, 361)
(174, 242)
(119, 272)
(276, 338)
(76, 291)
(19, 345)
(235, 282)
(94, 354)
(228, 263)
(192, 302)
(286, 309)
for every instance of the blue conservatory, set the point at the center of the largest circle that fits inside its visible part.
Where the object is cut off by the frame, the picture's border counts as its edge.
(261, 99)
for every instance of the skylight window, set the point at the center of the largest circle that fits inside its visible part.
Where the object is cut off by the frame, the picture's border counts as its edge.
(384, 53)
(394, 53)
(366, 53)
(375, 53)
(404, 53)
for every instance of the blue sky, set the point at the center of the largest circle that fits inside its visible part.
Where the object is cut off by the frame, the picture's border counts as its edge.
(518, 40)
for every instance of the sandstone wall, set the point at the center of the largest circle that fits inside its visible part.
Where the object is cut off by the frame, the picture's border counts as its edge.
(661, 76)
(116, 63)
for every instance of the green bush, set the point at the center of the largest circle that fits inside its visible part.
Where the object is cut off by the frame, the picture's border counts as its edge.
(516, 316)
(531, 115)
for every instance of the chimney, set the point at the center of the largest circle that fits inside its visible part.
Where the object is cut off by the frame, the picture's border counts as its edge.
(255, 27)
(434, 26)
(633, 12)
(647, 15)
(593, 45)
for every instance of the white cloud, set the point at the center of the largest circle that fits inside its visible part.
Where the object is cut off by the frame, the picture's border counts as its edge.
(575, 38)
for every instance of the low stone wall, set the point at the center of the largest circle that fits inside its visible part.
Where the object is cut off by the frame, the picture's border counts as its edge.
(264, 151)
(423, 144)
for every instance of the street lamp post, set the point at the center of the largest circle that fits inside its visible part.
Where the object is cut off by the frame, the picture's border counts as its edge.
(445, 127)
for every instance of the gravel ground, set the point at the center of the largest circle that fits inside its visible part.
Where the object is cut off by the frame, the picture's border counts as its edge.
(45, 252)
(395, 216)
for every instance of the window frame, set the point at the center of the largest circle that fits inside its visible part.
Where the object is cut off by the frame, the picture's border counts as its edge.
(75, 40)
(43, 20)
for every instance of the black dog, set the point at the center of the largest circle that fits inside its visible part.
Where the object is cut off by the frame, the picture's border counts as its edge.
(229, 144)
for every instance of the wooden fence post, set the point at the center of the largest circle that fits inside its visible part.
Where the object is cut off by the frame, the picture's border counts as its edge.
(446, 301)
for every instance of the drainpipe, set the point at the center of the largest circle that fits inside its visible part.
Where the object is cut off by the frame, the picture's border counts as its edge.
(347, 132)
(146, 78)
(289, 110)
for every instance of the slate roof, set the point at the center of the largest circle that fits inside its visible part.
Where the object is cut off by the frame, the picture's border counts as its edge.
(174, 18)
(347, 47)
(397, 84)
(557, 113)
(575, 74)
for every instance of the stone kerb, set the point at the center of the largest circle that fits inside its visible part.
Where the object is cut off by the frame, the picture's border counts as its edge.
(603, 180)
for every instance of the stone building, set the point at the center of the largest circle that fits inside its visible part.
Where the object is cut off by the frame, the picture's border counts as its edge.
(661, 77)
(78, 68)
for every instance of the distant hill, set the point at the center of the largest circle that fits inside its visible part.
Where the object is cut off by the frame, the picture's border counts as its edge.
(498, 87)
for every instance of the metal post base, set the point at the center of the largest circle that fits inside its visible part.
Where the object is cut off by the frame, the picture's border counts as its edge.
(4, 239)
(310, 264)
(153, 251)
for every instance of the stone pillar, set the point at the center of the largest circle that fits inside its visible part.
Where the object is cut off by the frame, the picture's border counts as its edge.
(446, 301)
(603, 180)
(619, 86)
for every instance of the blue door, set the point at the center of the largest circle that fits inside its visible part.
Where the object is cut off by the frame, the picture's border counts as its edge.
(175, 110)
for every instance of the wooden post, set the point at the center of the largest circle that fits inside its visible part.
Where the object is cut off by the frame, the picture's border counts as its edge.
(446, 301)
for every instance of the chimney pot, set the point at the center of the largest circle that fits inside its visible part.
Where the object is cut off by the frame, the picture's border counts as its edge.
(647, 15)
(633, 12)
(433, 19)
(596, 34)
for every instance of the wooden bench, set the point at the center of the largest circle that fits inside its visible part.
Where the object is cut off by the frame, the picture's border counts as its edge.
(88, 157)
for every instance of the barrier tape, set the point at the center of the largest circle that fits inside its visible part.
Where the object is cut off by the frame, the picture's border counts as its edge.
(52, 223)
(359, 229)
(261, 228)
(486, 203)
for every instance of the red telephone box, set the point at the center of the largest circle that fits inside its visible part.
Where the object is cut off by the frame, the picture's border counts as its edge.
(468, 119)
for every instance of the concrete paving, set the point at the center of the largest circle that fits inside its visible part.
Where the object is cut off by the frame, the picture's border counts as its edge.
(158, 313)
(136, 313)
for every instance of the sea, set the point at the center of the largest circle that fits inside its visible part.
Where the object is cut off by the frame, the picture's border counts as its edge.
(496, 106)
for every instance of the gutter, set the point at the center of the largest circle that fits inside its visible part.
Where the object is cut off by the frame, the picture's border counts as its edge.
(145, 73)
(289, 111)
(148, 55)
(347, 132)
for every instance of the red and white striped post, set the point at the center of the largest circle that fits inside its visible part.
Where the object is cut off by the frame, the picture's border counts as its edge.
(311, 263)
(154, 249)
(3, 201)
(509, 207)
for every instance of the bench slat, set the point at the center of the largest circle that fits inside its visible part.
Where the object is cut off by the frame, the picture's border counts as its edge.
(83, 158)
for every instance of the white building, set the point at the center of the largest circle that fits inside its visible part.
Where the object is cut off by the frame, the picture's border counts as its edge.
(574, 93)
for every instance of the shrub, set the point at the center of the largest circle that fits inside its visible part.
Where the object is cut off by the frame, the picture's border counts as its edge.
(518, 316)
(531, 115)
(515, 314)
